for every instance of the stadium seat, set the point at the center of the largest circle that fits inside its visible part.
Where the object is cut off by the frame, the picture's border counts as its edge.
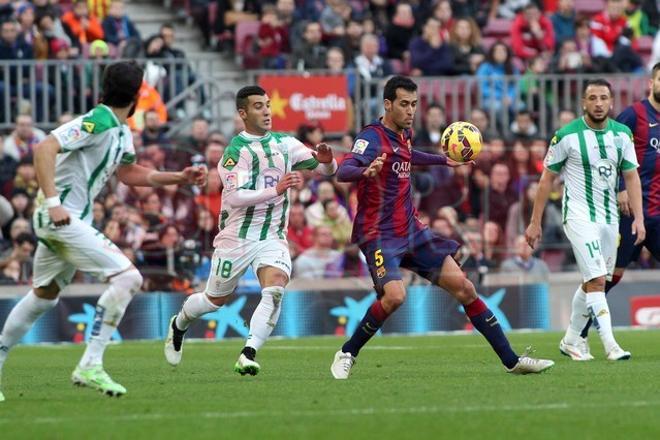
(589, 7)
(244, 29)
(498, 28)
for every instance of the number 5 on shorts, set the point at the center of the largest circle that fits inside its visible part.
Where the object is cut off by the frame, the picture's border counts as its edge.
(223, 269)
(378, 256)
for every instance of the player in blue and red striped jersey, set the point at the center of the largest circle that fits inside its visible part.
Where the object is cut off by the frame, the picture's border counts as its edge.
(643, 119)
(391, 236)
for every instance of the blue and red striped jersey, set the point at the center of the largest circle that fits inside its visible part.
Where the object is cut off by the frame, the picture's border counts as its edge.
(385, 203)
(644, 121)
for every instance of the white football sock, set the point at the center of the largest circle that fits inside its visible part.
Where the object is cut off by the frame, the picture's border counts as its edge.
(20, 320)
(265, 316)
(600, 313)
(195, 306)
(110, 308)
(579, 317)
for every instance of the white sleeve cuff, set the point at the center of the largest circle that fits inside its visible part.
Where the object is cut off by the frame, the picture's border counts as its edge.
(328, 169)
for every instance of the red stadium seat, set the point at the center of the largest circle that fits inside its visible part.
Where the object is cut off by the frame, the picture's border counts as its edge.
(498, 27)
(589, 7)
(244, 29)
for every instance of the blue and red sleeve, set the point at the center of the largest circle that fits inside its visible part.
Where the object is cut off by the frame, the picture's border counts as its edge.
(366, 148)
(627, 117)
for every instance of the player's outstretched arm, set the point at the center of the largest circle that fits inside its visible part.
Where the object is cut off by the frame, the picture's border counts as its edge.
(422, 158)
(44, 164)
(240, 198)
(634, 189)
(327, 163)
(350, 169)
(533, 232)
(137, 175)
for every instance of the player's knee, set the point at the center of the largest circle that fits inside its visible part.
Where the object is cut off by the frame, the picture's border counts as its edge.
(49, 292)
(595, 285)
(393, 300)
(129, 280)
(218, 301)
(466, 292)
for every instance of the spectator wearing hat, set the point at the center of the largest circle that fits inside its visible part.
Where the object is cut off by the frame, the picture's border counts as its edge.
(25, 16)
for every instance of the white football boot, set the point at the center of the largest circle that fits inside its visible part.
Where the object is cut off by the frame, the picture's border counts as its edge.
(174, 340)
(342, 364)
(618, 354)
(530, 365)
(577, 352)
(245, 366)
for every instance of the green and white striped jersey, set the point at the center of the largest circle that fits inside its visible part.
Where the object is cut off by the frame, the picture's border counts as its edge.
(591, 162)
(257, 163)
(92, 146)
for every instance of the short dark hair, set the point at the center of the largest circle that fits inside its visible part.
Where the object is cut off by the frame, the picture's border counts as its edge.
(655, 69)
(121, 83)
(243, 95)
(597, 82)
(167, 25)
(436, 105)
(398, 82)
(25, 237)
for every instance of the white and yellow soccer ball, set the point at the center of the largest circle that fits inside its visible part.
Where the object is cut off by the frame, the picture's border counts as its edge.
(461, 141)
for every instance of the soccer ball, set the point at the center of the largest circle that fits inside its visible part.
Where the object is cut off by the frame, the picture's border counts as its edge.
(461, 141)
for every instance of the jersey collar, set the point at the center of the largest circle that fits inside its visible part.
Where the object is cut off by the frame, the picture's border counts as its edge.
(250, 137)
(114, 116)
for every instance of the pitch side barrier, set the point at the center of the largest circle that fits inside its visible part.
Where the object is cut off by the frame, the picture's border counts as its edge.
(335, 307)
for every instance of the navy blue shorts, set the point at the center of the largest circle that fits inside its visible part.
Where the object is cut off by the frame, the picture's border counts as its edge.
(423, 253)
(627, 250)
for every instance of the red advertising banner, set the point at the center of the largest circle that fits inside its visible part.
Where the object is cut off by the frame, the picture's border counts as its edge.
(301, 99)
(645, 310)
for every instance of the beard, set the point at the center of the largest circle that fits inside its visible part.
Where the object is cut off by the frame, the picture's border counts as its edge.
(596, 119)
(656, 95)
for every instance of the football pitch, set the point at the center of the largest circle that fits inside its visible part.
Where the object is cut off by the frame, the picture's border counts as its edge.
(426, 387)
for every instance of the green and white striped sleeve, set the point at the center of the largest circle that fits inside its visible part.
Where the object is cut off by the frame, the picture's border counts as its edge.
(629, 158)
(557, 154)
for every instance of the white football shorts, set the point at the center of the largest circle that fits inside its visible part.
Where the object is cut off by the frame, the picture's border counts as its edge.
(77, 246)
(232, 257)
(594, 246)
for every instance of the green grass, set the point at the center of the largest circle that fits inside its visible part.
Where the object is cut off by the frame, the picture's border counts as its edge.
(402, 387)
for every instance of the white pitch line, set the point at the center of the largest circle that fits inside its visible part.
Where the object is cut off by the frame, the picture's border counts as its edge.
(349, 412)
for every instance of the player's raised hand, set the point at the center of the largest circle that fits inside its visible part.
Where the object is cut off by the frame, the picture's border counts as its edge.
(288, 181)
(374, 167)
(59, 216)
(195, 175)
(533, 234)
(452, 163)
(323, 153)
(624, 203)
(639, 230)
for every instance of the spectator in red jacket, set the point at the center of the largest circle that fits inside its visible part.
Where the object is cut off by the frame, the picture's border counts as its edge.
(609, 24)
(532, 33)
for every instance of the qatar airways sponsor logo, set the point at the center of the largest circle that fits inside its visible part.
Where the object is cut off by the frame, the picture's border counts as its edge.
(402, 169)
(317, 107)
(649, 316)
(655, 144)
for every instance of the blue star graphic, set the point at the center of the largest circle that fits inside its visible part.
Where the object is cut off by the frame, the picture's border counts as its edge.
(353, 311)
(227, 316)
(493, 303)
(87, 318)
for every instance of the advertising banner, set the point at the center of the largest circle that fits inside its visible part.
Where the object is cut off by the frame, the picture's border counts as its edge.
(304, 313)
(645, 310)
(301, 99)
